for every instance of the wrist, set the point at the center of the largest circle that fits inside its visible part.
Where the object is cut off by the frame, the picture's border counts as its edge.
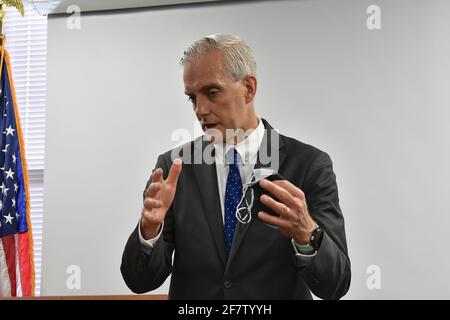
(312, 245)
(305, 237)
(149, 231)
(303, 249)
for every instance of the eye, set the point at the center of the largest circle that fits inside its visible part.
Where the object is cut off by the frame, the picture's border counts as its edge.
(213, 92)
(191, 99)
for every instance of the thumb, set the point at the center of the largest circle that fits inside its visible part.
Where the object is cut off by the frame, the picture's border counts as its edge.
(174, 172)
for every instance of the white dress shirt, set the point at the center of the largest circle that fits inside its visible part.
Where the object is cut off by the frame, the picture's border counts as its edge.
(248, 152)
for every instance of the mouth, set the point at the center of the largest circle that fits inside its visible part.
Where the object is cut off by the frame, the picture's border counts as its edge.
(207, 126)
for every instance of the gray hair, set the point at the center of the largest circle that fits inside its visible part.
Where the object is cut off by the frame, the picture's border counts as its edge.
(239, 60)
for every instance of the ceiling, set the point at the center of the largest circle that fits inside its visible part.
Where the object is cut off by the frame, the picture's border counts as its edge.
(62, 6)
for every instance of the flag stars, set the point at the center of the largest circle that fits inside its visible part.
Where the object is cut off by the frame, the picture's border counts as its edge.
(4, 189)
(13, 202)
(6, 148)
(9, 174)
(15, 187)
(10, 131)
(14, 158)
(8, 218)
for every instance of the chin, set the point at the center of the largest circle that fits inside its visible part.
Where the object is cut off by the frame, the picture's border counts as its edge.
(215, 134)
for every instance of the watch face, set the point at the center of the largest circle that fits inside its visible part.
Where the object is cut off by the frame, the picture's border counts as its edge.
(316, 238)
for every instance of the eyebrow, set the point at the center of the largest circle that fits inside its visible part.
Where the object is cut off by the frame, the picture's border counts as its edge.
(206, 87)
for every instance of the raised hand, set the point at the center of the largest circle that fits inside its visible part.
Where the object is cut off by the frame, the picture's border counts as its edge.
(158, 199)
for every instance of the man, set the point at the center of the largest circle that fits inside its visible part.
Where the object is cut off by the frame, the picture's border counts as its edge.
(190, 208)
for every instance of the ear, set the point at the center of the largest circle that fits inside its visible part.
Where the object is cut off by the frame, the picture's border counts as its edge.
(250, 84)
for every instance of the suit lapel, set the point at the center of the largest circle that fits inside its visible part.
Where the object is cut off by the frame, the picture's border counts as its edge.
(206, 178)
(271, 139)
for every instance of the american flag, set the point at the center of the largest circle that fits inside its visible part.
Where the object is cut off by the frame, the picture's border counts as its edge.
(16, 245)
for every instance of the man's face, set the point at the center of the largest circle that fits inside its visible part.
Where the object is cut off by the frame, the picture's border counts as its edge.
(219, 102)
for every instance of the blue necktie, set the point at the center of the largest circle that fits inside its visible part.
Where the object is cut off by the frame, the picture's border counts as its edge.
(233, 194)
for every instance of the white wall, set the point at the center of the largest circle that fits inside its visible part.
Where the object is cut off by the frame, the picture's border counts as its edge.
(377, 101)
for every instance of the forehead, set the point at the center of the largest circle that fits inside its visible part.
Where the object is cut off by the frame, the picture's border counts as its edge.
(208, 68)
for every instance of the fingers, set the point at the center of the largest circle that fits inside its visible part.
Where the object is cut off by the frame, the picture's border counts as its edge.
(174, 172)
(278, 207)
(150, 204)
(157, 175)
(274, 221)
(279, 192)
(292, 189)
(153, 189)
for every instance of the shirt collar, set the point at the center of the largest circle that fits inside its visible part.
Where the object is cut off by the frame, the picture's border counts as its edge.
(247, 148)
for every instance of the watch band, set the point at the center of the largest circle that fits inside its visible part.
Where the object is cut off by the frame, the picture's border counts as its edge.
(313, 245)
(305, 249)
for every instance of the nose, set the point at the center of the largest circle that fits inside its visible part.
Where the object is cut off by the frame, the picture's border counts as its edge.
(201, 108)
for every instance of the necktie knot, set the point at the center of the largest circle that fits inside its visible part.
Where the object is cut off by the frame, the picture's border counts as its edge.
(233, 157)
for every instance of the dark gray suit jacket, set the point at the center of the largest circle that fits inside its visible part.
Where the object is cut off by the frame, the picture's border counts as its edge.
(262, 263)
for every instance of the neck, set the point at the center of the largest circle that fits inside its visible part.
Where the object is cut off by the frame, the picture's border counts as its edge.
(247, 128)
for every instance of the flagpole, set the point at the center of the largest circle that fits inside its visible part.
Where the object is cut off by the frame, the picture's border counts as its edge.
(2, 40)
(2, 14)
